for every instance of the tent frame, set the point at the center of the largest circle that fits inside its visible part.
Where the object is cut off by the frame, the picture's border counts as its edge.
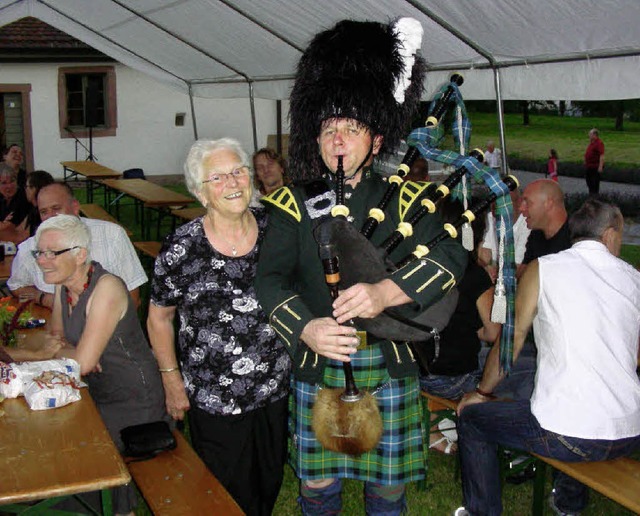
(492, 62)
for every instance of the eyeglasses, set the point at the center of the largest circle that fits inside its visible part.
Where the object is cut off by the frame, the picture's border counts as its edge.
(48, 254)
(218, 179)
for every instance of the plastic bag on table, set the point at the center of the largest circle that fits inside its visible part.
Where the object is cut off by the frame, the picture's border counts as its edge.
(15, 377)
(51, 389)
(10, 381)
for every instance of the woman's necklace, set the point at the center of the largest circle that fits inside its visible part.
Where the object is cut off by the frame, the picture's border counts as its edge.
(84, 288)
(234, 248)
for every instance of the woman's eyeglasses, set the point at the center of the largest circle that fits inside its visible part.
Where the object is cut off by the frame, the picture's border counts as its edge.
(218, 179)
(48, 254)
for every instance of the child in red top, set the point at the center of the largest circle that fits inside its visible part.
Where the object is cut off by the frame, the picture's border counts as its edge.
(552, 165)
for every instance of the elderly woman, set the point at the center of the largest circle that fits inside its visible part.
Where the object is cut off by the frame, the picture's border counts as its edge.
(35, 181)
(271, 172)
(14, 157)
(95, 314)
(233, 372)
(14, 206)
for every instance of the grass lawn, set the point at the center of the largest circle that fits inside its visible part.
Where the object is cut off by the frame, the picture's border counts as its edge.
(631, 254)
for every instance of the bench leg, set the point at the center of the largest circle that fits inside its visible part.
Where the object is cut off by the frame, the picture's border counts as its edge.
(538, 488)
(107, 507)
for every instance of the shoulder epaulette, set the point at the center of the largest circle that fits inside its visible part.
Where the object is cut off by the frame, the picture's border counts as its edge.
(409, 192)
(283, 198)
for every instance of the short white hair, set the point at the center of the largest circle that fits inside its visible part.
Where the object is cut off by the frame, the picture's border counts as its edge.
(200, 151)
(75, 232)
(7, 171)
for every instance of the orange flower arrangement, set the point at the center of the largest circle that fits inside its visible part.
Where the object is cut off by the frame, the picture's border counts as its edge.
(12, 317)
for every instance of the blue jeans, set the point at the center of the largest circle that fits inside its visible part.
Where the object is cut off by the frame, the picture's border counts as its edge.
(519, 384)
(450, 387)
(485, 426)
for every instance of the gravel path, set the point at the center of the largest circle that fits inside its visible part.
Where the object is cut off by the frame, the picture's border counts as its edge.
(577, 185)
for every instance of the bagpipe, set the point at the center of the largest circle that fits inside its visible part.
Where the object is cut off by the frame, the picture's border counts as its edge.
(348, 420)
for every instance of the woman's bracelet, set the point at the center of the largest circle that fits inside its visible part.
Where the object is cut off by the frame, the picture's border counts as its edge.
(167, 369)
(485, 394)
(40, 298)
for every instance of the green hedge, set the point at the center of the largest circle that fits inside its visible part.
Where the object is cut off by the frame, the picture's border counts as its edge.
(629, 204)
(616, 175)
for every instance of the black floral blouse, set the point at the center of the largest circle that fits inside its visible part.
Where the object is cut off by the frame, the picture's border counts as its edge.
(232, 361)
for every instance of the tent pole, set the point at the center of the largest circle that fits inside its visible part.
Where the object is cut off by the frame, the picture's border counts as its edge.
(193, 114)
(503, 143)
(279, 127)
(252, 103)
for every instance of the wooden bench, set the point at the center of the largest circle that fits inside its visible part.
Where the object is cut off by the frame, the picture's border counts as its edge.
(189, 213)
(150, 248)
(94, 211)
(438, 404)
(446, 408)
(618, 479)
(442, 408)
(177, 482)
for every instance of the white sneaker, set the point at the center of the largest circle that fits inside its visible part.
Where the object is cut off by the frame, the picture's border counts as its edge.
(448, 428)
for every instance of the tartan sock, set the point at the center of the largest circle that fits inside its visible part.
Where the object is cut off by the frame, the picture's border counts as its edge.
(324, 501)
(384, 500)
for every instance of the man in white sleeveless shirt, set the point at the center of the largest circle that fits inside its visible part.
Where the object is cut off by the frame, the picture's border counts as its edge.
(584, 304)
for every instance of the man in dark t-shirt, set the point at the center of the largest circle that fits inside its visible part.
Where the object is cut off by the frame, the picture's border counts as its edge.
(543, 208)
(538, 245)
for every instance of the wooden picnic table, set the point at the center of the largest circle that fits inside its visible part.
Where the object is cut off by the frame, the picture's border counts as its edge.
(95, 211)
(92, 172)
(55, 453)
(5, 268)
(146, 195)
(52, 454)
(189, 213)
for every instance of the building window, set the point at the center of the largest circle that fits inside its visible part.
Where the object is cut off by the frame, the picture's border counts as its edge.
(87, 99)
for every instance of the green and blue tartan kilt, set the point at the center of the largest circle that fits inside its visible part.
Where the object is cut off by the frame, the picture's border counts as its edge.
(400, 455)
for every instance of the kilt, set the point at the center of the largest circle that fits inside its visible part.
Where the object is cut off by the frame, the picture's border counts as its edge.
(400, 455)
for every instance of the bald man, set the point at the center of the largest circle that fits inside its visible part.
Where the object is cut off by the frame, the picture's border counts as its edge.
(542, 205)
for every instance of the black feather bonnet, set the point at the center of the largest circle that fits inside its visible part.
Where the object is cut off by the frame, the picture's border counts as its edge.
(353, 71)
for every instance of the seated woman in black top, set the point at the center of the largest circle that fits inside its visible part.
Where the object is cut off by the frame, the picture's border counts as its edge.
(14, 206)
(450, 365)
(35, 181)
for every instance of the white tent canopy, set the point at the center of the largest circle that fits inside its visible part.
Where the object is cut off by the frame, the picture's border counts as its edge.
(542, 49)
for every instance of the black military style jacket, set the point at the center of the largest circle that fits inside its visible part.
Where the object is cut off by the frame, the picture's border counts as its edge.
(290, 281)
